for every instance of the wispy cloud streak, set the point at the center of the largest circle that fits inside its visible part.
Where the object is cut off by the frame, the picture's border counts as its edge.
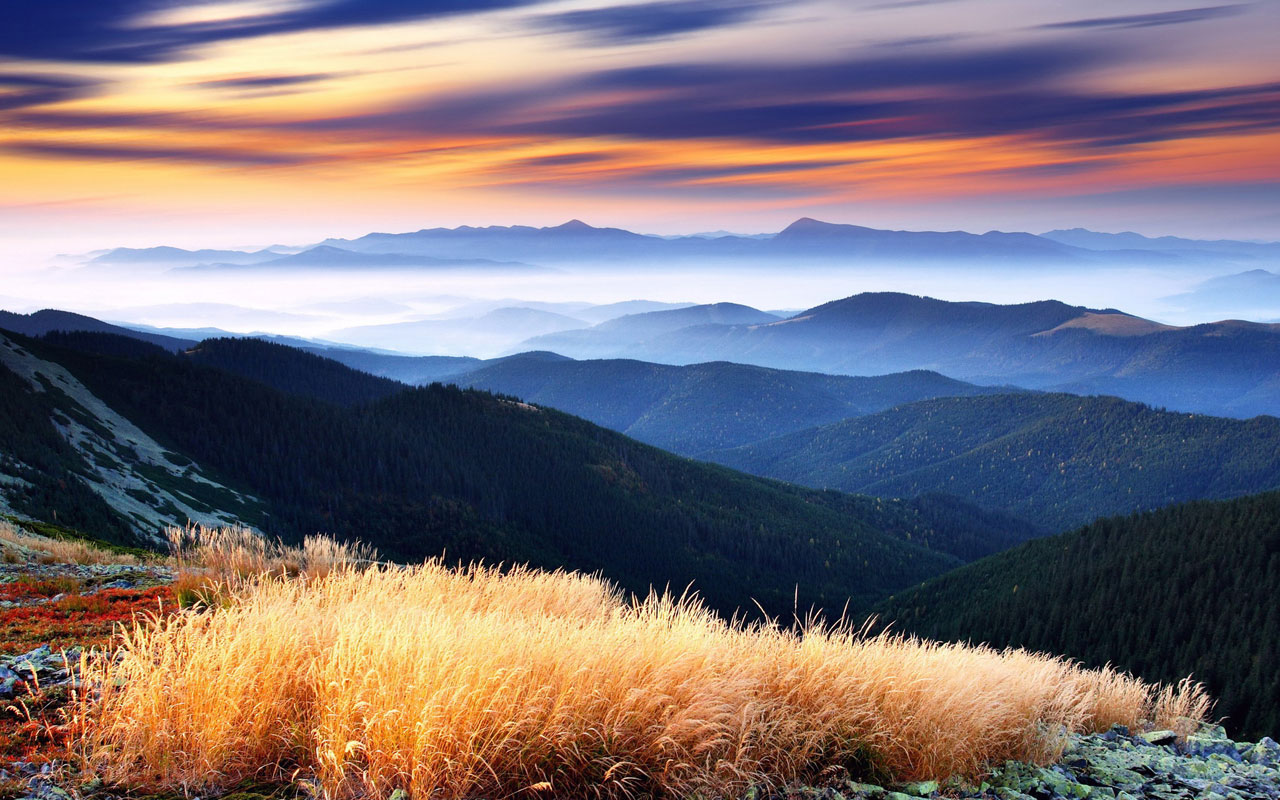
(117, 30)
(1154, 20)
(648, 21)
(19, 90)
(198, 155)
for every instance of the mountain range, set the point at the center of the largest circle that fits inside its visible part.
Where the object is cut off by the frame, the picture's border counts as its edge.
(96, 425)
(803, 241)
(701, 407)
(1208, 248)
(1230, 368)
(166, 256)
(327, 257)
(576, 241)
(1054, 459)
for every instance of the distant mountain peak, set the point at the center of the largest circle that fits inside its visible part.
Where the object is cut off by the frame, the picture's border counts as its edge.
(725, 306)
(806, 225)
(574, 225)
(325, 248)
(805, 222)
(533, 355)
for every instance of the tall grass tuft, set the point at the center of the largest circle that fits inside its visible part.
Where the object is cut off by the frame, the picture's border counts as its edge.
(18, 546)
(479, 682)
(236, 553)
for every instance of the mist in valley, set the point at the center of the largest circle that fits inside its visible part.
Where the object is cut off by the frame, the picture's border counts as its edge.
(468, 311)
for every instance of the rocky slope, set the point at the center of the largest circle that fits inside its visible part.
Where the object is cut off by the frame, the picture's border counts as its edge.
(144, 482)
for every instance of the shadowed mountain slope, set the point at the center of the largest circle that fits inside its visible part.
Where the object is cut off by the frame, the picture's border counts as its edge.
(1057, 459)
(438, 469)
(1186, 590)
(692, 409)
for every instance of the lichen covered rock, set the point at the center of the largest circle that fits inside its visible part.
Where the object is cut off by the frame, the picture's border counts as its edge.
(1115, 765)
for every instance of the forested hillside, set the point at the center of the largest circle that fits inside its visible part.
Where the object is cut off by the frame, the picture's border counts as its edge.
(701, 407)
(1184, 590)
(936, 520)
(439, 469)
(1056, 459)
(292, 370)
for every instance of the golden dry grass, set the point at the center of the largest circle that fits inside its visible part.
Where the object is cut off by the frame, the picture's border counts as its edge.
(21, 545)
(482, 683)
(236, 553)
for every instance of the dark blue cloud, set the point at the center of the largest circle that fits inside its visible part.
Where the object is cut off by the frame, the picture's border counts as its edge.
(667, 175)
(940, 94)
(199, 155)
(559, 160)
(1152, 20)
(957, 94)
(1099, 120)
(24, 91)
(784, 122)
(656, 183)
(699, 173)
(254, 82)
(971, 70)
(646, 21)
(835, 101)
(896, 4)
(1053, 169)
(924, 41)
(112, 30)
(78, 120)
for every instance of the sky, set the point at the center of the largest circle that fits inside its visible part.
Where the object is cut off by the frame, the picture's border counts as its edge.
(250, 122)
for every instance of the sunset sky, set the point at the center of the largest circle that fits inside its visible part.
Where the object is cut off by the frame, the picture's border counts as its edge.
(136, 122)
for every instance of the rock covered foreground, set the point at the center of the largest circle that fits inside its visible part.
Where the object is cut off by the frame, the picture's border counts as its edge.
(1207, 766)
(1115, 765)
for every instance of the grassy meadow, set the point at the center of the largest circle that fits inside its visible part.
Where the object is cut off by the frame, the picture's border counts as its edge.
(486, 682)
